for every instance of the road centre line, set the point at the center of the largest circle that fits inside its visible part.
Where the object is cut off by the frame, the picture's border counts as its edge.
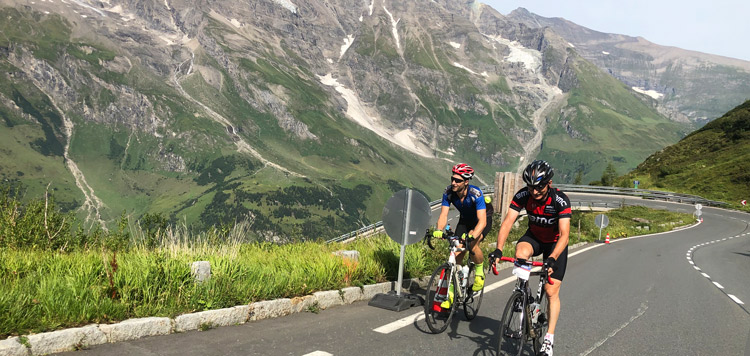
(318, 353)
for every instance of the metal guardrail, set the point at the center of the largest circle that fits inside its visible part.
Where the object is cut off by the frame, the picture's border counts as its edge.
(592, 189)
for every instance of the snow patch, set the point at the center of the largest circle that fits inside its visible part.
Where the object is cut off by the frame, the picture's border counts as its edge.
(571, 45)
(531, 58)
(454, 44)
(459, 65)
(360, 18)
(348, 40)
(372, 4)
(358, 112)
(652, 93)
(235, 23)
(394, 24)
(329, 60)
(605, 52)
(90, 7)
(288, 5)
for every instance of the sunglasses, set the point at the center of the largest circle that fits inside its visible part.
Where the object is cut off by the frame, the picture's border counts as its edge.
(457, 180)
(538, 188)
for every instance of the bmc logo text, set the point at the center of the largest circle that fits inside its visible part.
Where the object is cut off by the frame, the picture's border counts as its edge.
(542, 220)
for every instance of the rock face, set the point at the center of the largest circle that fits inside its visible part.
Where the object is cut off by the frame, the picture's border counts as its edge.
(213, 109)
(687, 85)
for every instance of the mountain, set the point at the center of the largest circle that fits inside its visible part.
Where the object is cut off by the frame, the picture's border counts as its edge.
(713, 162)
(302, 116)
(687, 85)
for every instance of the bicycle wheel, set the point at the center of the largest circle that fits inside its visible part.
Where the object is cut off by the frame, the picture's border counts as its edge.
(542, 324)
(512, 333)
(437, 317)
(473, 299)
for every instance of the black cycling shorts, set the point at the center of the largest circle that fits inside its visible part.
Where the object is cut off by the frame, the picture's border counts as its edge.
(464, 226)
(545, 249)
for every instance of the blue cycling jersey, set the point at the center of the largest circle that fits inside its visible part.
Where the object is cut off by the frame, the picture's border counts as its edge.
(468, 207)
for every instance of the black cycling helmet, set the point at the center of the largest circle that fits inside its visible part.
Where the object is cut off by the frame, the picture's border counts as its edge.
(538, 173)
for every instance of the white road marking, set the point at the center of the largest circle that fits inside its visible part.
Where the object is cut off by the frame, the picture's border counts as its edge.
(641, 311)
(400, 323)
(705, 275)
(318, 353)
(718, 285)
(736, 300)
(697, 268)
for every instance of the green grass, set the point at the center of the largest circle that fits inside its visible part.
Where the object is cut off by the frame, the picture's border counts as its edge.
(43, 290)
(712, 162)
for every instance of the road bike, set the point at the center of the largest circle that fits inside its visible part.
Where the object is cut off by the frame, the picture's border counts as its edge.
(526, 316)
(446, 277)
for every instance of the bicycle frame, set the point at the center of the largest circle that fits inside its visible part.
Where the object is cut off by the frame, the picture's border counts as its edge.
(460, 289)
(522, 286)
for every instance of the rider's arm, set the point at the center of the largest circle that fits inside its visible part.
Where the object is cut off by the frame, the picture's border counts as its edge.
(443, 218)
(505, 228)
(482, 222)
(562, 241)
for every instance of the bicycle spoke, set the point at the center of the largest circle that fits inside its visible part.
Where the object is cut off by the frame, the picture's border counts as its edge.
(437, 317)
(512, 335)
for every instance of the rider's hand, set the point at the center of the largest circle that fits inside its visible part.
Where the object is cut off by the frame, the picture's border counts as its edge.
(550, 263)
(495, 255)
(466, 236)
(437, 234)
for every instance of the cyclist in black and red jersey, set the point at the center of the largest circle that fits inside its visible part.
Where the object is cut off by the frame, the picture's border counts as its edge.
(549, 213)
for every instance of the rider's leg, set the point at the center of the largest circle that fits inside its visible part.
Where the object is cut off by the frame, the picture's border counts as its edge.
(553, 293)
(524, 250)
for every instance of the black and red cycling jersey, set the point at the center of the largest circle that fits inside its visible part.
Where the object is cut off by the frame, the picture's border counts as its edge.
(544, 214)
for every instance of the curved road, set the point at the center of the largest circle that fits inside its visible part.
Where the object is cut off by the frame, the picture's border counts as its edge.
(680, 292)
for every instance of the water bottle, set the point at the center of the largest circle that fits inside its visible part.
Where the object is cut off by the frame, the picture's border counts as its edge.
(535, 309)
(465, 273)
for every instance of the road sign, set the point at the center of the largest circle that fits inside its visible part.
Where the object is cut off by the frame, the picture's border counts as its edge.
(698, 213)
(743, 202)
(698, 206)
(406, 216)
(601, 221)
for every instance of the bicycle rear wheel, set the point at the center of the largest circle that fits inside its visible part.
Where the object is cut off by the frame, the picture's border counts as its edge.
(542, 324)
(438, 318)
(512, 333)
(473, 299)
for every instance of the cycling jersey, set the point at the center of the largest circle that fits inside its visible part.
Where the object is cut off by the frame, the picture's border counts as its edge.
(468, 207)
(543, 215)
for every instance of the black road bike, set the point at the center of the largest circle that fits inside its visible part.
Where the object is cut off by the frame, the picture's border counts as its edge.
(526, 316)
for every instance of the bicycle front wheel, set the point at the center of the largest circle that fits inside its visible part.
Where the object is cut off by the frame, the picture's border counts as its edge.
(436, 316)
(473, 299)
(541, 325)
(512, 333)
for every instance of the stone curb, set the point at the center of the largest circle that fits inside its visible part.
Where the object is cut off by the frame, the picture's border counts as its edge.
(78, 338)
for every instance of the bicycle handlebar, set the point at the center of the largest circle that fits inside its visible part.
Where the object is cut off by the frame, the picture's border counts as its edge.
(529, 263)
(448, 235)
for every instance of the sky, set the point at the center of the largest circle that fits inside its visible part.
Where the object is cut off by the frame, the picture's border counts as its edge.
(719, 27)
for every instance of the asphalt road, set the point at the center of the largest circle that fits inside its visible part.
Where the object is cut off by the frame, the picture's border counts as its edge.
(671, 293)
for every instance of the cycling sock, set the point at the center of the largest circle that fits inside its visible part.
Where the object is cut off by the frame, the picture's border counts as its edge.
(479, 268)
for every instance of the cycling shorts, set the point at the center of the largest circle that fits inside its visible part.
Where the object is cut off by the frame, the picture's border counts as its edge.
(545, 249)
(464, 227)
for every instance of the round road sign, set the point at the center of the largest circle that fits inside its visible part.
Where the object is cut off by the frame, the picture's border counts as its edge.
(406, 216)
(698, 206)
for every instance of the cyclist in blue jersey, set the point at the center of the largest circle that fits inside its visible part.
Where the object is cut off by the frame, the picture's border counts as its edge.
(470, 202)
(548, 210)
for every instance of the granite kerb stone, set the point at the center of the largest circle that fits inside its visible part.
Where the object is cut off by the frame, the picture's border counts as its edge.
(66, 340)
(212, 318)
(13, 347)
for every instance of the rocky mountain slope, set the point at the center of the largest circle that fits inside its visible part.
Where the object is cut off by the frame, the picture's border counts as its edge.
(687, 85)
(302, 116)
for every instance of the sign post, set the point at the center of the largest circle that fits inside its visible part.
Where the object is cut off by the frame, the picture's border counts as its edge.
(406, 216)
(601, 221)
